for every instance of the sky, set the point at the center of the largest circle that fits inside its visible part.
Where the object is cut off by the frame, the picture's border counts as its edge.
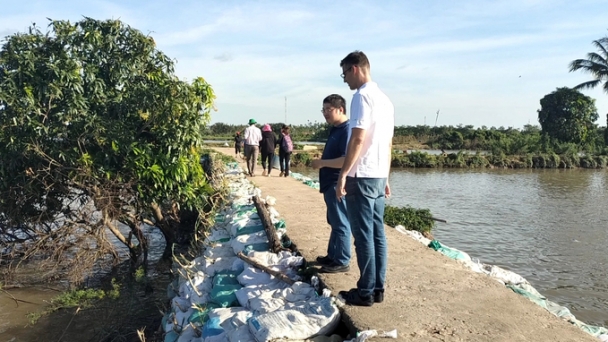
(480, 63)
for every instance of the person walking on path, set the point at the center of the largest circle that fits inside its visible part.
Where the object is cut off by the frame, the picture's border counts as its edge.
(364, 177)
(267, 147)
(238, 140)
(253, 136)
(338, 249)
(285, 150)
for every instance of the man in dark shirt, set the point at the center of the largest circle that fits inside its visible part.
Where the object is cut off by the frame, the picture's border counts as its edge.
(338, 250)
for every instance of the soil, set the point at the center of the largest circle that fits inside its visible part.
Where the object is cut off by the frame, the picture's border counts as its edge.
(428, 297)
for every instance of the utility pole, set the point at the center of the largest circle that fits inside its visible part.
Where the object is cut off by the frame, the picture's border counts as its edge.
(437, 117)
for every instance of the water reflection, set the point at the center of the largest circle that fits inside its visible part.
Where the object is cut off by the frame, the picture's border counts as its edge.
(546, 225)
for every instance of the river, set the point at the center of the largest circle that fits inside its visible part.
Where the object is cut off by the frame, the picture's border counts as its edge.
(549, 226)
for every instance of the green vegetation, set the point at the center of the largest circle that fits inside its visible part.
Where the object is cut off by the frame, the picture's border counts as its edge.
(411, 218)
(596, 64)
(567, 115)
(92, 114)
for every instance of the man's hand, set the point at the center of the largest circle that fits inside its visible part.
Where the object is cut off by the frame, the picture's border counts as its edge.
(316, 163)
(340, 191)
(387, 190)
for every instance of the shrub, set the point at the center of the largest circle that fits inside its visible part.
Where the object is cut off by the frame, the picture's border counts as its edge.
(411, 218)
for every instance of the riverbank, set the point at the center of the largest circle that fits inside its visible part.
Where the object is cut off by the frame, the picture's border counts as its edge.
(428, 296)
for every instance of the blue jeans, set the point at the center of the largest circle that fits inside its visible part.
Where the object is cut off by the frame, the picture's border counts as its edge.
(365, 199)
(338, 248)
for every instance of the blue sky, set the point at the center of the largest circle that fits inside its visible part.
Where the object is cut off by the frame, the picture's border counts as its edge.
(478, 62)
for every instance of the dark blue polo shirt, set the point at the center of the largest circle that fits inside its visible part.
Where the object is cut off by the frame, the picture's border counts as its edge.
(334, 148)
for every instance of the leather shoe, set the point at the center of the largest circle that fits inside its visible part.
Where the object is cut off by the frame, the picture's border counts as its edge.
(378, 296)
(353, 297)
(324, 260)
(334, 268)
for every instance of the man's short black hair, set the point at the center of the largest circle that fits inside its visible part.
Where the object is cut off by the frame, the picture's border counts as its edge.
(357, 58)
(336, 101)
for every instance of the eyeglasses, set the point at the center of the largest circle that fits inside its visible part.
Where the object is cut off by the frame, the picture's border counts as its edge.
(327, 110)
(345, 71)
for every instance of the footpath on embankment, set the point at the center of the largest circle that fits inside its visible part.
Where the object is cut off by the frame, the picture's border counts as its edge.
(428, 297)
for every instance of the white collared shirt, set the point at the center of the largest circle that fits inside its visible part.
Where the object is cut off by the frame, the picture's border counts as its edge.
(374, 112)
(252, 135)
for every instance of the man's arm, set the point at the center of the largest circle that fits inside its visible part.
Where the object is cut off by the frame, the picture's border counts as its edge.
(355, 144)
(387, 189)
(335, 163)
(246, 134)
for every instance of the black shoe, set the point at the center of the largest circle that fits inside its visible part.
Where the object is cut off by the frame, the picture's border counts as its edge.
(324, 260)
(378, 296)
(353, 297)
(334, 268)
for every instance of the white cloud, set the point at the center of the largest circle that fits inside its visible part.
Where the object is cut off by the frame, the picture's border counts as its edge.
(465, 58)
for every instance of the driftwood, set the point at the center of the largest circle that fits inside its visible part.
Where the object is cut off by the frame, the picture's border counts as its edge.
(271, 233)
(273, 273)
(438, 219)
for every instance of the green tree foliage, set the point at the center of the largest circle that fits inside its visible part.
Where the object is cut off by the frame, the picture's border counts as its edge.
(567, 115)
(96, 130)
(596, 64)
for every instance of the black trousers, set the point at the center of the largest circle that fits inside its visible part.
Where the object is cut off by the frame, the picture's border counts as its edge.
(267, 156)
(284, 158)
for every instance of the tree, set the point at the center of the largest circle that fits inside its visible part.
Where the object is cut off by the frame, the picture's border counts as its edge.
(596, 64)
(96, 130)
(567, 115)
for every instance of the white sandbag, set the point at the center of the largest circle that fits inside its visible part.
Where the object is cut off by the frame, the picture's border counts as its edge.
(218, 251)
(298, 292)
(414, 234)
(506, 277)
(217, 338)
(217, 236)
(180, 304)
(283, 258)
(239, 224)
(189, 334)
(238, 243)
(169, 322)
(196, 287)
(262, 305)
(273, 213)
(246, 293)
(238, 320)
(241, 334)
(181, 319)
(318, 317)
(252, 276)
(271, 200)
(474, 266)
(219, 265)
(225, 313)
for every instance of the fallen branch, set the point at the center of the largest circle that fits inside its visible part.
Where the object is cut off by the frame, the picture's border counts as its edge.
(438, 219)
(271, 232)
(266, 269)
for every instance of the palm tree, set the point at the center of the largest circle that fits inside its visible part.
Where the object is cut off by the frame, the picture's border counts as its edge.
(596, 64)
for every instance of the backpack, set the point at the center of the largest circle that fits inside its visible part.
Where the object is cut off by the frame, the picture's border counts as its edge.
(286, 144)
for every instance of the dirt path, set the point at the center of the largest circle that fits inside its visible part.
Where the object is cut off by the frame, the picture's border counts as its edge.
(429, 297)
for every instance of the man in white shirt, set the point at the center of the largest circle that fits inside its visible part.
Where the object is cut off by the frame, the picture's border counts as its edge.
(252, 136)
(364, 177)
